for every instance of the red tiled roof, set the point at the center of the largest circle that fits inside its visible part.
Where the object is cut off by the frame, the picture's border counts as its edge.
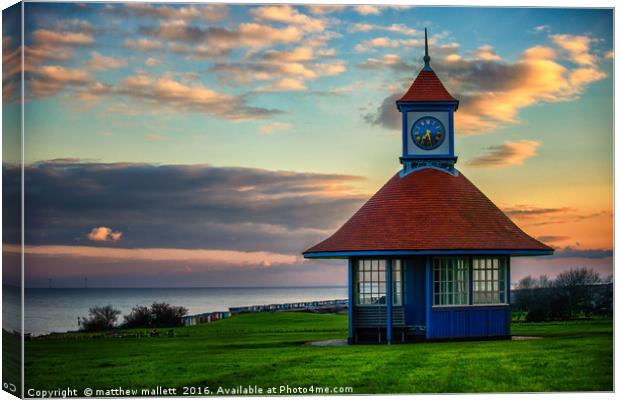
(428, 210)
(427, 87)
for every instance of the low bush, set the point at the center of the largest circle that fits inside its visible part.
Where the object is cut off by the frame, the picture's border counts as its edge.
(159, 315)
(100, 318)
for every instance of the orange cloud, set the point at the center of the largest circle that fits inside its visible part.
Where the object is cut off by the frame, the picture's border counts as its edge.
(326, 9)
(486, 53)
(298, 54)
(536, 77)
(284, 85)
(285, 75)
(169, 93)
(151, 62)
(368, 10)
(49, 80)
(70, 38)
(274, 126)
(101, 62)
(506, 154)
(577, 47)
(104, 234)
(226, 257)
(142, 44)
(207, 12)
(288, 15)
(493, 91)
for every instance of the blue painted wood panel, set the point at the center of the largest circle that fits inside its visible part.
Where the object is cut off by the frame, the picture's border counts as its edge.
(414, 290)
(469, 321)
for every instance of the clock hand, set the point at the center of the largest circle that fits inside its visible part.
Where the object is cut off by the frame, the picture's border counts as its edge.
(427, 136)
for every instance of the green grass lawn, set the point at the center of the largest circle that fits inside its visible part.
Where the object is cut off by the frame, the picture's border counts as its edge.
(267, 350)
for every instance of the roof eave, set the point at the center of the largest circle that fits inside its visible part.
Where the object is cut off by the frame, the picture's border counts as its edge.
(400, 103)
(395, 253)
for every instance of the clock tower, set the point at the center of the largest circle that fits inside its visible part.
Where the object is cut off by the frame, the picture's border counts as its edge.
(428, 122)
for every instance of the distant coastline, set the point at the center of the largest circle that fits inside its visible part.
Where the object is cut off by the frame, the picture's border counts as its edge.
(57, 309)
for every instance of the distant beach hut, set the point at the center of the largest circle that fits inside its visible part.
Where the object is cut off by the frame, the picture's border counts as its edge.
(429, 254)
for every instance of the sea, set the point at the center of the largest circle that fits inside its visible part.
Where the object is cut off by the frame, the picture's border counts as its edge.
(57, 310)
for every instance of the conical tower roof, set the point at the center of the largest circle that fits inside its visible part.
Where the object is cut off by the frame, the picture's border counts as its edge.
(427, 86)
(428, 211)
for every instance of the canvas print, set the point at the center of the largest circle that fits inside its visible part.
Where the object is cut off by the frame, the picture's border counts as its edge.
(210, 199)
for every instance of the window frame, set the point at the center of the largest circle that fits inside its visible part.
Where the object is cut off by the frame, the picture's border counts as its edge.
(467, 281)
(503, 275)
(397, 281)
(470, 285)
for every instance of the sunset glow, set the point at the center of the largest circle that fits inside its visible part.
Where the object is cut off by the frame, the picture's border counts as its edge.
(210, 144)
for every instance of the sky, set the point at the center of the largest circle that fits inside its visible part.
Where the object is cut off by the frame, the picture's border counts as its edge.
(210, 144)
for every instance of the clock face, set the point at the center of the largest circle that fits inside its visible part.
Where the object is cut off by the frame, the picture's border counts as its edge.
(428, 133)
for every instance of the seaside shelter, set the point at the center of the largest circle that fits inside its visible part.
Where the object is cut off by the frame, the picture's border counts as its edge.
(429, 254)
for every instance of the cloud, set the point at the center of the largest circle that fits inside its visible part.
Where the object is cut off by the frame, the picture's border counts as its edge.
(540, 216)
(486, 53)
(165, 92)
(48, 37)
(325, 9)
(265, 31)
(143, 44)
(182, 206)
(609, 55)
(584, 253)
(49, 80)
(577, 47)
(386, 42)
(553, 238)
(542, 28)
(283, 85)
(285, 75)
(45, 47)
(274, 126)
(146, 91)
(506, 155)
(238, 258)
(201, 12)
(162, 267)
(101, 62)
(11, 69)
(582, 76)
(288, 15)
(386, 115)
(392, 61)
(531, 212)
(493, 91)
(152, 62)
(74, 24)
(367, 10)
(394, 28)
(215, 41)
(298, 54)
(104, 234)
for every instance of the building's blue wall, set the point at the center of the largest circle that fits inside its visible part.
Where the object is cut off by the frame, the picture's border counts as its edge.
(414, 291)
(469, 321)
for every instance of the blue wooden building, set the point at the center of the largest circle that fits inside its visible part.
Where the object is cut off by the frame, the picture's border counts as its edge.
(429, 254)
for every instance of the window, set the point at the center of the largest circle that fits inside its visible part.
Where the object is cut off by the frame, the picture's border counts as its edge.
(450, 281)
(371, 280)
(396, 287)
(489, 280)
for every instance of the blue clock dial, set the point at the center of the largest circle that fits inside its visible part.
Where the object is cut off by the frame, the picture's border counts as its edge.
(428, 133)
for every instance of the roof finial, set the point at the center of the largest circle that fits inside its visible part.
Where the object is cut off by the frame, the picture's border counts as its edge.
(427, 58)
